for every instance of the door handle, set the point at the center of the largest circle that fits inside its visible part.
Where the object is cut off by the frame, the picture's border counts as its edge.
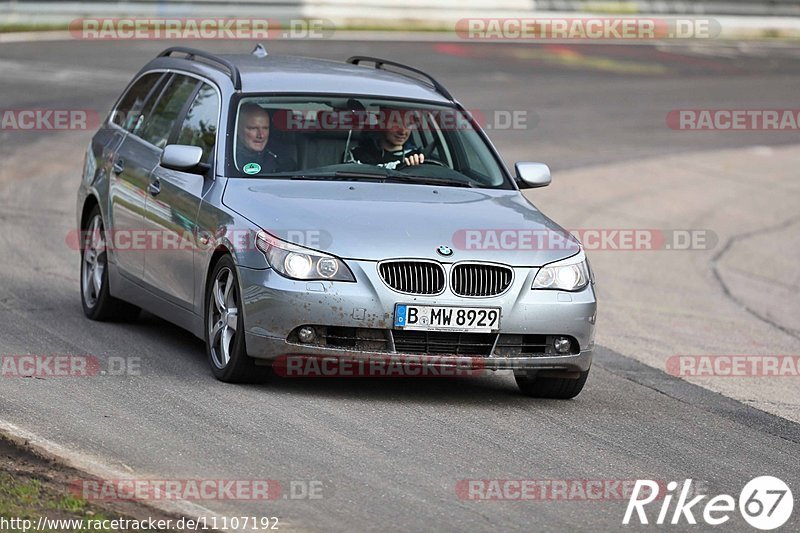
(119, 166)
(155, 187)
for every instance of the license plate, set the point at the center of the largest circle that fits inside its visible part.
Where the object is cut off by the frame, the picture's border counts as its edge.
(444, 318)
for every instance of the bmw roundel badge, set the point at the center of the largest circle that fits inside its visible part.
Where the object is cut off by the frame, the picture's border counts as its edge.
(445, 251)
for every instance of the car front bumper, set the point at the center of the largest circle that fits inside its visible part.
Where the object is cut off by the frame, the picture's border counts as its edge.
(274, 307)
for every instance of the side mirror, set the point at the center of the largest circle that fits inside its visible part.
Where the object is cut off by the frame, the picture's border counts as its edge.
(184, 158)
(533, 175)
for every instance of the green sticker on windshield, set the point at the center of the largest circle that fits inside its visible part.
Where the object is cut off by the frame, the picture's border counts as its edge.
(251, 168)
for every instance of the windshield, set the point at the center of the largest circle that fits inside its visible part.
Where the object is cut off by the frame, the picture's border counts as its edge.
(341, 138)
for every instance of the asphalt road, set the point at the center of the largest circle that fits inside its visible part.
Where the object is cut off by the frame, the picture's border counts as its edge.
(388, 453)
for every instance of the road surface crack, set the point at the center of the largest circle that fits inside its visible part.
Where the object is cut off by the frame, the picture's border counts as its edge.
(727, 291)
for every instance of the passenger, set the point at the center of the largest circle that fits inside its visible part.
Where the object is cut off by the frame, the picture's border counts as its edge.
(391, 147)
(252, 154)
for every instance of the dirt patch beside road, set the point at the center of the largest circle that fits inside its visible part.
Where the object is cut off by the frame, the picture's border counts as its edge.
(34, 486)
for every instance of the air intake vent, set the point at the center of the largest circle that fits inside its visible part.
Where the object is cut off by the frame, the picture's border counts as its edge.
(478, 279)
(437, 342)
(413, 277)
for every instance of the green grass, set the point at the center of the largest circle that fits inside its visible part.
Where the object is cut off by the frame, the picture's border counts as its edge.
(27, 26)
(30, 499)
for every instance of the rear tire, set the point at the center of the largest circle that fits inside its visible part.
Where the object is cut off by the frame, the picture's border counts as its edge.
(225, 344)
(97, 302)
(558, 388)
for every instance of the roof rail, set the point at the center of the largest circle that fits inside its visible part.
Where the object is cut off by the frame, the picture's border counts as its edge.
(191, 53)
(355, 60)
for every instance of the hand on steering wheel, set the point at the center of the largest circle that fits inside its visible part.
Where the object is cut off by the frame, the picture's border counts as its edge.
(413, 159)
(420, 158)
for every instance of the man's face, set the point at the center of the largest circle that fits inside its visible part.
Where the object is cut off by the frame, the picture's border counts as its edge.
(397, 135)
(254, 130)
(398, 124)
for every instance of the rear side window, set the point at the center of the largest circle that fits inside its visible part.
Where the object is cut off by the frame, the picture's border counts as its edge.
(128, 114)
(159, 124)
(199, 128)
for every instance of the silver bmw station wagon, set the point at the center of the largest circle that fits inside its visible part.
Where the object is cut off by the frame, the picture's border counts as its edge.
(281, 207)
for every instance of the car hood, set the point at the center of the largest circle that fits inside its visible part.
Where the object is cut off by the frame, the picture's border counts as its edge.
(375, 221)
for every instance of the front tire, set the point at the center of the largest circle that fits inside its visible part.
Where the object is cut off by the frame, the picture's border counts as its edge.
(559, 388)
(225, 345)
(97, 302)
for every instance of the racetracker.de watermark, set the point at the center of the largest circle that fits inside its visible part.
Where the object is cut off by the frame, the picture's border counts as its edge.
(210, 28)
(42, 119)
(734, 119)
(200, 489)
(181, 240)
(612, 239)
(68, 366)
(413, 119)
(734, 366)
(381, 366)
(587, 28)
(545, 489)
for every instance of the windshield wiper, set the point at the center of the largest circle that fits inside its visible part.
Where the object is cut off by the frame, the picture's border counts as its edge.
(341, 176)
(385, 176)
(428, 180)
(347, 174)
(402, 177)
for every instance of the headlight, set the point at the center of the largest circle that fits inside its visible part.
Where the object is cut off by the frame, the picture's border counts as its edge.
(570, 274)
(297, 262)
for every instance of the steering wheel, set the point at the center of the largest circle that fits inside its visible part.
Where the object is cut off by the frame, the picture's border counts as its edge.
(425, 153)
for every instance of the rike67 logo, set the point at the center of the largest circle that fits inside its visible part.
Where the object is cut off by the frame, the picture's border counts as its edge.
(765, 503)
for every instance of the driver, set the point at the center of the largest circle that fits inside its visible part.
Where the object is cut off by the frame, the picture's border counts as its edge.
(253, 138)
(391, 147)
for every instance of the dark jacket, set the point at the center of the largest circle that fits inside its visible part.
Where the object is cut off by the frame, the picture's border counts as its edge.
(271, 159)
(369, 153)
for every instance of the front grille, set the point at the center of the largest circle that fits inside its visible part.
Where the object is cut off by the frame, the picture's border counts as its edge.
(478, 279)
(413, 277)
(437, 342)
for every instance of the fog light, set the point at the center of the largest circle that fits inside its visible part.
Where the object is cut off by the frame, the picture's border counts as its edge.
(307, 334)
(562, 345)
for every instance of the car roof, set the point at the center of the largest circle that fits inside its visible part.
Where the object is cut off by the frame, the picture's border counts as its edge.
(296, 74)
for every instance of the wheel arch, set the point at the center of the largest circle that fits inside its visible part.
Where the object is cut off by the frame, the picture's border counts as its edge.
(219, 252)
(88, 205)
